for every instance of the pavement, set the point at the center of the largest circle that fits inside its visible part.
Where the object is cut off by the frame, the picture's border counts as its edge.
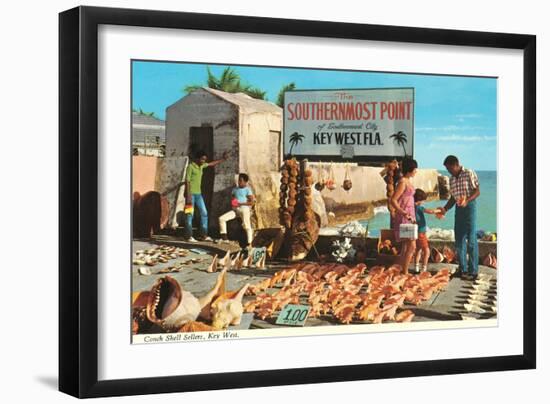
(444, 305)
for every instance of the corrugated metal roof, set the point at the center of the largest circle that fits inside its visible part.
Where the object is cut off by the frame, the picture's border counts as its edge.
(141, 119)
(147, 126)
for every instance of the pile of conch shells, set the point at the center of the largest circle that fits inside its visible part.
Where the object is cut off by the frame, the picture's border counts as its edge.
(147, 259)
(345, 294)
(158, 255)
(235, 262)
(168, 307)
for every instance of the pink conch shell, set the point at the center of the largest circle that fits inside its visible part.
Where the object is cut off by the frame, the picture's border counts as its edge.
(490, 260)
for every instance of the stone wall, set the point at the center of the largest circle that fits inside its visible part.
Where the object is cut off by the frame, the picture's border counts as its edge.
(368, 191)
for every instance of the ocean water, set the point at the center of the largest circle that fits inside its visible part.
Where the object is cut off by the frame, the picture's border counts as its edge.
(486, 209)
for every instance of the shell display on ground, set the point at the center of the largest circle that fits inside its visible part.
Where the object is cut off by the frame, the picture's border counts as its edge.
(345, 294)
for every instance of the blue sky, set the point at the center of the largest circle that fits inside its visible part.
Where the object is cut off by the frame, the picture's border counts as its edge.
(453, 115)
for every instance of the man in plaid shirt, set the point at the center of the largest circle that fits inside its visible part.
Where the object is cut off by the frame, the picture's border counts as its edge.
(464, 188)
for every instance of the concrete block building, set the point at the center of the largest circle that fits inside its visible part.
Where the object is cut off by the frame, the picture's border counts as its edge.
(249, 129)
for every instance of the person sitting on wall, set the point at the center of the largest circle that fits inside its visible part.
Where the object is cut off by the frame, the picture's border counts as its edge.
(193, 193)
(464, 189)
(242, 200)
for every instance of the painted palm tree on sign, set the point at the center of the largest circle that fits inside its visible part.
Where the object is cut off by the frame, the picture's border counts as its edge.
(400, 138)
(294, 139)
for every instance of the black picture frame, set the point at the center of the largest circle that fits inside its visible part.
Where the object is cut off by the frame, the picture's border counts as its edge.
(78, 195)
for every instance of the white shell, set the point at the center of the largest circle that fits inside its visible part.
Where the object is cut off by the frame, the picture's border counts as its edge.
(144, 271)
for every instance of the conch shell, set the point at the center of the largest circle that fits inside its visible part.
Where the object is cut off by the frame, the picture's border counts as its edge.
(227, 309)
(330, 184)
(448, 254)
(213, 267)
(405, 316)
(196, 326)
(170, 306)
(226, 261)
(490, 260)
(436, 256)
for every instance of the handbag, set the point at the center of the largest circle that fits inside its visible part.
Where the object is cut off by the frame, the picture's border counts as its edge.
(408, 231)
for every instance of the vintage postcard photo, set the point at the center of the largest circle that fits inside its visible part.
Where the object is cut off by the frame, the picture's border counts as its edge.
(277, 201)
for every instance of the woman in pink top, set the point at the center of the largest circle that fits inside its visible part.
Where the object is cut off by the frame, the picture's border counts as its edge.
(403, 202)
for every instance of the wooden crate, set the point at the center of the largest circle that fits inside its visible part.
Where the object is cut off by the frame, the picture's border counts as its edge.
(386, 259)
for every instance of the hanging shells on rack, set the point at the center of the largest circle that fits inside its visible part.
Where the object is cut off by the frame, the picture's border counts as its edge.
(330, 183)
(296, 209)
(288, 192)
(320, 184)
(347, 179)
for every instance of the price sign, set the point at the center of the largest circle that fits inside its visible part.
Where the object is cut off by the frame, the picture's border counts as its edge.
(257, 254)
(293, 314)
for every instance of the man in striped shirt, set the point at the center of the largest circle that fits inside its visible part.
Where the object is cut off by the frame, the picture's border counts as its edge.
(464, 189)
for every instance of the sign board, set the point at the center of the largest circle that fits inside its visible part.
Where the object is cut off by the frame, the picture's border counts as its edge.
(342, 124)
(257, 254)
(293, 314)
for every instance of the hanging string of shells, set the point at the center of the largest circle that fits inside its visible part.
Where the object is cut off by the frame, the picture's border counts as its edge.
(389, 173)
(347, 179)
(330, 183)
(320, 184)
(296, 209)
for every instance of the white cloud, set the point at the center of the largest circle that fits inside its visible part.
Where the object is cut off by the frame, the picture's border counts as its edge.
(466, 116)
(465, 138)
(448, 128)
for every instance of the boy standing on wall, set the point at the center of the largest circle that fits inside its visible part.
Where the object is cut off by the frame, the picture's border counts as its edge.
(193, 193)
